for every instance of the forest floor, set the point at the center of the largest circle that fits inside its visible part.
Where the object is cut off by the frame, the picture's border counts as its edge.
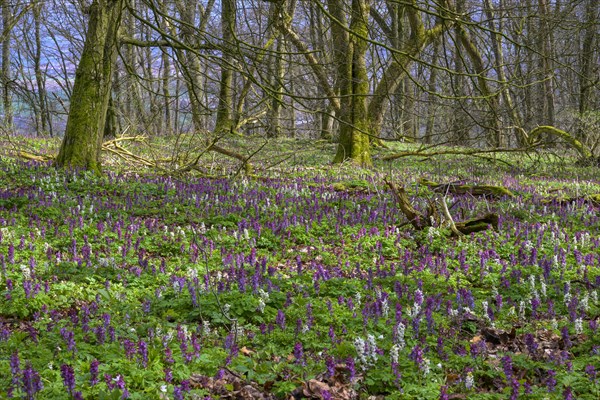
(304, 280)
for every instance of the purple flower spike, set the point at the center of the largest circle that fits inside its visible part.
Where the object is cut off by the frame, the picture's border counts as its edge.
(15, 367)
(299, 353)
(31, 382)
(68, 376)
(507, 367)
(94, 372)
(280, 319)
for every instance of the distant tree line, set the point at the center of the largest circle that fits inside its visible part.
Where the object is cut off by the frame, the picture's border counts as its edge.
(361, 72)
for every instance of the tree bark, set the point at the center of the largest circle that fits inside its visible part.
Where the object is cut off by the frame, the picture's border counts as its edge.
(224, 109)
(586, 72)
(82, 143)
(5, 72)
(354, 142)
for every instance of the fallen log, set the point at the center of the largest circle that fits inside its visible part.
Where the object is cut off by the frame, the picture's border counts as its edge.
(478, 224)
(475, 190)
(593, 199)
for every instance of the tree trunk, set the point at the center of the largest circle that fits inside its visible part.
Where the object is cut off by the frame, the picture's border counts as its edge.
(276, 70)
(228, 22)
(44, 125)
(586, 72)
(499, 67)
(400, 63)
(82, 143)
(5, 78)
(354, 142)
(546, 61)
(431, 97)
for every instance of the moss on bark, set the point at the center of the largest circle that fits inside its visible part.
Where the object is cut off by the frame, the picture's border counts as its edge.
(82, 142)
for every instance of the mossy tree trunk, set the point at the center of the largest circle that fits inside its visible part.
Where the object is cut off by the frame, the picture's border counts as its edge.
(82, 143)
(354, 142)
(228, 21)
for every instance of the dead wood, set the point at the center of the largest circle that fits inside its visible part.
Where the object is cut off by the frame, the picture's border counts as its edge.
(419, 221)
(475, 190)
(415, 217)
(478, 224)
(593, 199)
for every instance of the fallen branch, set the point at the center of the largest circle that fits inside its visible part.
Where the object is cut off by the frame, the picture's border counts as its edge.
(416, 218)
(593, 199)
(420, 221)
(583, 151)
(475, 190)
(34, 157)
(464, 152)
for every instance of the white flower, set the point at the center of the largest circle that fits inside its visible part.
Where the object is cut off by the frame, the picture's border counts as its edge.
(400, 335)
(522, 309)
(372, 347)
(394, 353)
(469, 381)
(359, 345)
(385, 307)
(579, 326)
(425, 366)
(206, 327)
(26, 271)
(261, 305)
(357, 298)
(585, 302)
(163, 388)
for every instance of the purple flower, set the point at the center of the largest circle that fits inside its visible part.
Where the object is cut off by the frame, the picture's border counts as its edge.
(177, 393)
(280, 319)
(417, 355)
(15, 367)
(299, 353)
(351, 367)
(531, 344)
(69, 338)
(551, 380)
(568, 395)
(514, 395)
(94, 372)
(143, 352)
(68, 376)
(129, 348)
(444, 393)
(565, 337)
(330, 364)
(593, 325)
(507, 367)
(31, 382)
(590, 370)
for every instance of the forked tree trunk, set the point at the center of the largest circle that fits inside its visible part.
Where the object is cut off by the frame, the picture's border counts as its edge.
(354, 141)
(82, 143)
